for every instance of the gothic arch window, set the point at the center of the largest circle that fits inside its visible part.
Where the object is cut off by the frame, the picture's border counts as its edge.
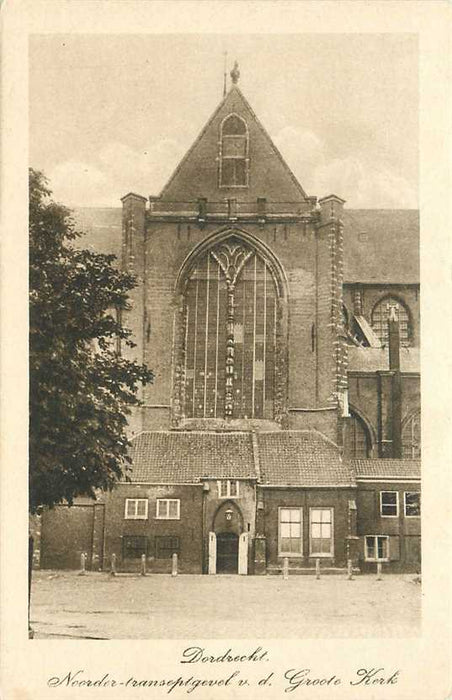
(234, 144)
(379, 320)
(411, 437)
(231, 360)
(357, 441)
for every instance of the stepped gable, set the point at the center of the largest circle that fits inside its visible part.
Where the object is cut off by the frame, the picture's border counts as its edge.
(175, 457)
(301, 458)
(386, 468)
(381, 246)
(197, 173)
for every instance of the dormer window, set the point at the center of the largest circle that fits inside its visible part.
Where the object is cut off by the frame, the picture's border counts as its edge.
(234, 152)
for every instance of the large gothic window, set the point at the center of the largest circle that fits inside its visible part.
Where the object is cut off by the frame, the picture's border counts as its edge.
(230, 328)
(357, 443)
(234, 152)
(380, 316)
(411, 437)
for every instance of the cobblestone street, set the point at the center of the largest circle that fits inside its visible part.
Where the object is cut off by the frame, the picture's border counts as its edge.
(100, 606)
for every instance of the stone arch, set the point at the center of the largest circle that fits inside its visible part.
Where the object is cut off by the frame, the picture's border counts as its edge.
(231, 294)
(220, 523)
(371, 437)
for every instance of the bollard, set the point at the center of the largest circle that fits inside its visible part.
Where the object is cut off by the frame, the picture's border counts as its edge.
(317, 569)
(143, 564)
(113, 564)
(285, 569)
(174, 565)
(82, 571)
(379, 569)
(349, 570)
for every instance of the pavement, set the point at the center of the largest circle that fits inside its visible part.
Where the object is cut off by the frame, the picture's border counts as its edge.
(129, 606)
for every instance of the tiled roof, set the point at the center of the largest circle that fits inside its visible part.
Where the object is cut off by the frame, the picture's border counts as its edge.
(374, 359)
(185, 457)
(381, 468)
(286, 458)
(301, 458)
(381, 245)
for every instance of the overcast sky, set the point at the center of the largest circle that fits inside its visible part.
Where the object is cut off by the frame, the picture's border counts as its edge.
(115, 113)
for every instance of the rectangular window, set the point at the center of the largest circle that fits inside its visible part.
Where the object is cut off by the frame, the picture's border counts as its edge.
(166, 546)
(228, 488)
(168, 509)
(321, 532)
(290, 532)
(133, 547)
(412, 504)
(377, 548)
(389, 504)
(136, 509)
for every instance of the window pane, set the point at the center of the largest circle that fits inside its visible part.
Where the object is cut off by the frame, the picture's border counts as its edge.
(173, 509)
(370, 547)
(295, 530)
(295, 545)
(315, 530)
(284, 515)
(285, 544)
(233, 488)
(326, 530)
(227, 172)
(285, 529)
(316, 545)
(130, 508)
(295, 515)
(141, 507)
(382, 544)
(223, 489)
(234, 125)
(234, 146)
(161, 509)
(326, 546)
(326, 516)
(316, 516)
(412, 504)
(240, 172)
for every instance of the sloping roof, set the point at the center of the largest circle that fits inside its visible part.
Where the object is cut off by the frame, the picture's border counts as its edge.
(381, 468)
(373, 359)
(185, 457)
(301, 458)
(381, 246)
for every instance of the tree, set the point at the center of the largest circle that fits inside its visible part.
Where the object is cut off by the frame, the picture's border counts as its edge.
(81, 389)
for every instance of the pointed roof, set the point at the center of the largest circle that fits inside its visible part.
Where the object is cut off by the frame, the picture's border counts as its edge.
(197, 173)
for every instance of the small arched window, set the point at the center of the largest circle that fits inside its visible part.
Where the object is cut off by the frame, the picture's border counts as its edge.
(234, 152)
(357, 443)
(380, 316)
(411, 437)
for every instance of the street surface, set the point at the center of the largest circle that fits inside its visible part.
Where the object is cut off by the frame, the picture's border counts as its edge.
(101, 606)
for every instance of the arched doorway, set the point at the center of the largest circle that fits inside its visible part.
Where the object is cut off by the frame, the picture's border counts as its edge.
(227, 553)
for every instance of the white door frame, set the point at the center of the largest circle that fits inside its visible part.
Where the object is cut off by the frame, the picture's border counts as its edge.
(243, 554)
(212, 553)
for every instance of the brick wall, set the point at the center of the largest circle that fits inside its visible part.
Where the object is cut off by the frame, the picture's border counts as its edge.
(404, 533)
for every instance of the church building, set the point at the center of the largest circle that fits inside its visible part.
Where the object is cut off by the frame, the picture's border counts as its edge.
(283, 331)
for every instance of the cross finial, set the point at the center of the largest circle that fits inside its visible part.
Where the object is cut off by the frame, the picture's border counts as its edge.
(235, 73)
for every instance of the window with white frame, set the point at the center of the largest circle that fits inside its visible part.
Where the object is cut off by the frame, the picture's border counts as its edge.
(290, 542)
(377, 548)
(321, 531)
(136, 509)
(228, 488)
(168, 509)
(234, 152)
(389, 504)
(412, 504)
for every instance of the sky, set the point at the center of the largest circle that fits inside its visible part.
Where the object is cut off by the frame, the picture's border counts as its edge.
(110, 114)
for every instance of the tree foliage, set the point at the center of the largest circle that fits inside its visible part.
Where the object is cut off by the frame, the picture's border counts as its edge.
(81, 389)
